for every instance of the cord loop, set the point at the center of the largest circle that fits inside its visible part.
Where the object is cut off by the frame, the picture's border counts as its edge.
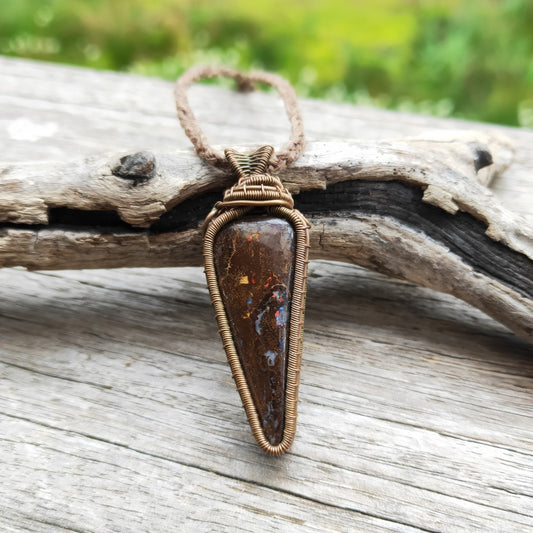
(245, 82)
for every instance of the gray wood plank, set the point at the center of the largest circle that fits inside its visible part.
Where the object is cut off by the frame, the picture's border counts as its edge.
(75, 472)
(118, 411)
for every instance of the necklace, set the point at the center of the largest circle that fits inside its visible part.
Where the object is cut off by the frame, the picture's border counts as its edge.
(255, 252)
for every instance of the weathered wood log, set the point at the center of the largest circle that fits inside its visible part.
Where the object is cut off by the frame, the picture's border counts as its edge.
(415, 209)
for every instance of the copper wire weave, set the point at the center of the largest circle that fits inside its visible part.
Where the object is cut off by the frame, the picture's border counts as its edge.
(254, 188)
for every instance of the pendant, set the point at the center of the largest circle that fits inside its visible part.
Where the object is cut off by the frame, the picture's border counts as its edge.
(256, 254)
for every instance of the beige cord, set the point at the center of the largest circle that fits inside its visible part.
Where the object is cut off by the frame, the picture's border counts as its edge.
(190, 125)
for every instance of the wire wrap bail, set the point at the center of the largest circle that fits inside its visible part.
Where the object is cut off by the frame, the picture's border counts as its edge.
(255, 188)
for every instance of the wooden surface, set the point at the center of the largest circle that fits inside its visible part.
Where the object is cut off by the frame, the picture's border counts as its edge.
(117, 408)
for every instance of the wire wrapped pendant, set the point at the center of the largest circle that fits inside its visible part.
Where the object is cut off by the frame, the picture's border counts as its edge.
(255, 250)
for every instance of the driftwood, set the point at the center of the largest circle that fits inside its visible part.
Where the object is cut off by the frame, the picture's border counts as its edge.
(415, 209)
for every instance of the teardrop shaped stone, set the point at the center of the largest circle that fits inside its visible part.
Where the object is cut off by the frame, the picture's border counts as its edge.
(254, 262)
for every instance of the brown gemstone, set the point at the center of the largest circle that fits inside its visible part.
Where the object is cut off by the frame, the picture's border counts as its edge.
(254, 262)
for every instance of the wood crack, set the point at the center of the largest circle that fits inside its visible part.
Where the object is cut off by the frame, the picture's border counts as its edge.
(55, 376)
(56, 525)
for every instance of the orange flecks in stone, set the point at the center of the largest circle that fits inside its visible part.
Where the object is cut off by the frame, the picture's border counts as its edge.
(255, 280)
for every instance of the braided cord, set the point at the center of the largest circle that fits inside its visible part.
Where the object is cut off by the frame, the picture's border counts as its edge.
(245, 82)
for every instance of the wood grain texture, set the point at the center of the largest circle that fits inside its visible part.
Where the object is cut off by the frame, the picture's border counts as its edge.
(118, 411)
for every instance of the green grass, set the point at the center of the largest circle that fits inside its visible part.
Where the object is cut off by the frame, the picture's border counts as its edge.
(471, 59)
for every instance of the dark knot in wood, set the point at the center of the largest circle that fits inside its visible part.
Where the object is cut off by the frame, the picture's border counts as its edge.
(482, 156)
(138, 167)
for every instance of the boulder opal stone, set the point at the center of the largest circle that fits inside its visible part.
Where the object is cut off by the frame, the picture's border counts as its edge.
(254, 262)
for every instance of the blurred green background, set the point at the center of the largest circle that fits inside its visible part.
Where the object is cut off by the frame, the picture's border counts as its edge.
(463, 58)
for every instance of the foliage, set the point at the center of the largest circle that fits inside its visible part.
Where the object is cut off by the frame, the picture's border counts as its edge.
(471, 59)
